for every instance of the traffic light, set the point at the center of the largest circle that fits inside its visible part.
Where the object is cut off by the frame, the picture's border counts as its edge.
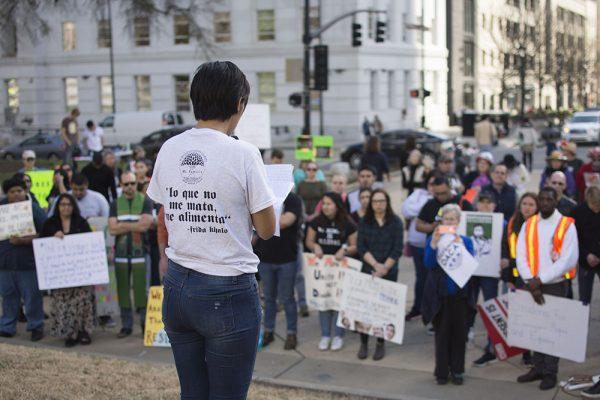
(426, 93)
(321, 67)
(356, 34)
(416, 93)
(380, 32)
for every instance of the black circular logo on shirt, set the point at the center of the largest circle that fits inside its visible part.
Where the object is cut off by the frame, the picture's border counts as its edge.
(191, 166)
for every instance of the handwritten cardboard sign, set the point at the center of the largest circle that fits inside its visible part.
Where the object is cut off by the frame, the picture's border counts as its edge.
(323, 280)
(16, 219)
(155, 335)
(76, 260)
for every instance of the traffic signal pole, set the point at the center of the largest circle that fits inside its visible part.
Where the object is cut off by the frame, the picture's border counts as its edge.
(307, 38)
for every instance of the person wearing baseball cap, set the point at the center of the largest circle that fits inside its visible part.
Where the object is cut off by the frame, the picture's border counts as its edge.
(481, 176)
(28, 158)
(569, 149)
(558, 162)
(589, 174)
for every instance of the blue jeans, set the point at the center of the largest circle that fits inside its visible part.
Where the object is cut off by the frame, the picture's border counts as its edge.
(127, 317)
(489, 287)
(586, 282)
(418, 254)
(14, 286)
(213, 323)
(326, 318)
(278, 282)
(300, 288)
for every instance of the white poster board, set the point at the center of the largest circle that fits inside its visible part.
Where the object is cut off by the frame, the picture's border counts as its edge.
(323, 278)
(281, 182)
(559, 327)
(255, 126)
(76, 260)
(16, 219)
(455, 259)
(373, 306)
(485, 230)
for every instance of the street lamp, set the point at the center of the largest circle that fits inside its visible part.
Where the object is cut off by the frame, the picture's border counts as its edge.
(421, 27)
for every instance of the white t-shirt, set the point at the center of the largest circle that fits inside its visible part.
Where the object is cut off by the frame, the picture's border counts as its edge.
(94, 138)
(209, 185)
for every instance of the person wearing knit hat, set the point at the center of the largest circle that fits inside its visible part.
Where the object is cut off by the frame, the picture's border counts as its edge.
(18, 280)
(558, 162)
(569, 149)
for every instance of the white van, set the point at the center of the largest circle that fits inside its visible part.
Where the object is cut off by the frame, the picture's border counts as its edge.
(126, 128)
(583, 127)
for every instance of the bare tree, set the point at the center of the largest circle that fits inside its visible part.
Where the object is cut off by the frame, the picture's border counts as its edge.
(29, 17)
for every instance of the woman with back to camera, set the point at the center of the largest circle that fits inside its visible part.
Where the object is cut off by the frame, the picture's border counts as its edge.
(214, 190)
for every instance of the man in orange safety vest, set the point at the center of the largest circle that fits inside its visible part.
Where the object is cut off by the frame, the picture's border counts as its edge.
(547, 254)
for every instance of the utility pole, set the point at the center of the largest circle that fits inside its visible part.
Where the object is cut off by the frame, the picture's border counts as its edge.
(522, 57)
(112, 61)
(421, 28)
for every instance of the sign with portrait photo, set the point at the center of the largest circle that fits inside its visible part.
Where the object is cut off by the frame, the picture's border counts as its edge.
(373, 306)
(485, 231)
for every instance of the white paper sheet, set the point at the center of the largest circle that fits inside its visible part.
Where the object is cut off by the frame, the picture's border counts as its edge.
(281, 181)
(455, 260)
(16, 219)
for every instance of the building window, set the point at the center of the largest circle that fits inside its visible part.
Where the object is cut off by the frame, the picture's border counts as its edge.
(69, 37)
(104, 37)
(483, 21)
(141, 31)
(374, 90)
(9, 32)
(469, 16)
(392, 89)
(266, 89)
(181, 29)
(314, 18)
(71, 93)
(293, 70)
(12, 95)
(469, 58)
(436, 87)
(143, 94)
(106, 99)
(222, 21)
(266, 25)
(404, 22)
(482, 57)
(468, 98)
(420, 32)
(182, 90)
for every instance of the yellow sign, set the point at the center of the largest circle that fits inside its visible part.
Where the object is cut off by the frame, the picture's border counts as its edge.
(41, 185)
(155, 335)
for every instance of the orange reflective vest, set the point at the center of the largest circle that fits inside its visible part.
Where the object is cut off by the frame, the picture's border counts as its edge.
(532, 243)
(512, 243)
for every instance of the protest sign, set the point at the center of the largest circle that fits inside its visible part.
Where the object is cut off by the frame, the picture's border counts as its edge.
(494, 314)
(373, 306)
(559, 327)
(255, 126)
(281, 182)
(455, 260)
(16, 219)
(75, 260)
(485, 230)
(41, 185)
(323, 279)
(155, 335)
(107, 301)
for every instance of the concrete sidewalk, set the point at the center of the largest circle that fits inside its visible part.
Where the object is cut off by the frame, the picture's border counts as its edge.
(405, 373)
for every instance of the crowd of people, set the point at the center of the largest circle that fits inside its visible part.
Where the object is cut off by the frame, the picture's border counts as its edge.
(326, 219)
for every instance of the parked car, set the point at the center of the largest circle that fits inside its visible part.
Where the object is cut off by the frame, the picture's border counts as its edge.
(583, 127)
(152, 142)
(126, 128)
(392, 145)
(46, 145)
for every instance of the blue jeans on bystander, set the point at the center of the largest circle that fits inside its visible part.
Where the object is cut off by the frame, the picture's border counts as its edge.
(278, 282)
(14, 286)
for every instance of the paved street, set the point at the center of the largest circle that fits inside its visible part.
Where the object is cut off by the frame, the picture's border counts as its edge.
(405, 372)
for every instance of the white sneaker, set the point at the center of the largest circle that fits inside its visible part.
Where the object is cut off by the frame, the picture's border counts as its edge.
(324, 343)
(337, 343)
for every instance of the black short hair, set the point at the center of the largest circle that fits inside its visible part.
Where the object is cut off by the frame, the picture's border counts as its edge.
(441, 180)
(277, 153)
(97, 157)
(551, 190)
(12, 182)
(367, 167)
(217, 89)
(89, 124)
(79, 180)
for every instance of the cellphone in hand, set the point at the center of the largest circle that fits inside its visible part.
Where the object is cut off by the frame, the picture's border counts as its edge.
(443, 229)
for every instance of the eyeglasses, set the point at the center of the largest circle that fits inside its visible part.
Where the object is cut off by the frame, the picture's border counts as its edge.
(557, 183)
(311, 169)
(129, 183)
(29, 159)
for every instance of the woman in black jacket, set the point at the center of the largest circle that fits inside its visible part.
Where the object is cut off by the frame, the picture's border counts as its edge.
(72, 308)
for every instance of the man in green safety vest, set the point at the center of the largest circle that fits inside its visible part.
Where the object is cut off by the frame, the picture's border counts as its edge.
(129, 220)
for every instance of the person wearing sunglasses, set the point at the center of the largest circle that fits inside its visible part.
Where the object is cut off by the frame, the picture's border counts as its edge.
(558, 181)
(28, 158)
(129, 220)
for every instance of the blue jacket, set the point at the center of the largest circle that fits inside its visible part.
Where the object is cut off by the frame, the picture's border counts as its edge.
(20, 258)
(439, 284)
